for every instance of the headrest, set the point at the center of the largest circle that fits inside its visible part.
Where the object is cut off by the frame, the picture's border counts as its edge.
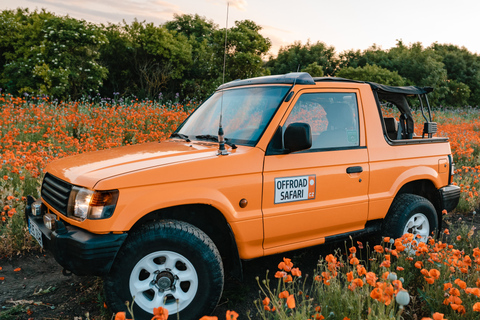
(391, 124)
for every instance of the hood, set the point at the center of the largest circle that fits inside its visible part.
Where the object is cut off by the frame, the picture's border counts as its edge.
(88, 169)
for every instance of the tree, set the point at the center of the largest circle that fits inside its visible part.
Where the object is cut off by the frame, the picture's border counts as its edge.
(314, 70)
(244, 51)
(51, 55)
(296, 57)
(372, 73)
(458, 94)
(202, 77)
(463, 67)
(144, 57)
(417, 65)
(116, 55)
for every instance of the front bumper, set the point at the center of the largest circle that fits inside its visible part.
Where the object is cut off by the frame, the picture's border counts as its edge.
(450, 196)
(75, 249)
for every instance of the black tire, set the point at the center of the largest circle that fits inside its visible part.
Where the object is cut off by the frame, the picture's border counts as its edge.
(409, 209)
(187, 265)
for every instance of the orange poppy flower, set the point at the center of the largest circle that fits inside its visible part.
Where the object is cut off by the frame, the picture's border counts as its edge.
(354, 261)
(296, 272)
(397, 285)
(362, 271)
(120, 315)
(291, 301)
(460, 283)
(371, 278)
(283, 294)
(419, 264)
(230, 315)
(459, 308)
(378, 248)
(358, 282)
(454, 292)
(474, 291)
(429, 280)
(286, 264)
(476, 307)
(385, 263)
(266, 301)
(331, 258)
(376, 294)
(438, 316)
(434, 273)
(160, 313)
(350, 276)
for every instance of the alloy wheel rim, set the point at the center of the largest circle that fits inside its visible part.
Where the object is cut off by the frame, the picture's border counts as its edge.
(163, 279)
(418, 225)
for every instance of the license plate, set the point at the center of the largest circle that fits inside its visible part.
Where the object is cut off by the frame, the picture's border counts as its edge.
(35, 232)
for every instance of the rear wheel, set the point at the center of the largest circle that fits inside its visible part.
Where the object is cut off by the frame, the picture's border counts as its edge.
(411, 213)
(170, 264)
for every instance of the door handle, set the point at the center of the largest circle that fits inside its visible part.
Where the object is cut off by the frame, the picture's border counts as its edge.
(356, 169)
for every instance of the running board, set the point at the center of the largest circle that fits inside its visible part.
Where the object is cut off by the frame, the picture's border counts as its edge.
(371, 227)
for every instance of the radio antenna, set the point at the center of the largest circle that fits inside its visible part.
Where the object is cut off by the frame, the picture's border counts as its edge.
(221, 136)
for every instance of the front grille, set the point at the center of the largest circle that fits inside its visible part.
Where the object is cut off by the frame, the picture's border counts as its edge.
(56, 192)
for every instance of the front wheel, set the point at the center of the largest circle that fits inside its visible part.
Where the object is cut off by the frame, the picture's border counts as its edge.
(171, 264)
(413, 214)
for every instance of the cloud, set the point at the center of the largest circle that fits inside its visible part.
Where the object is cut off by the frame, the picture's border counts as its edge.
(278, 36)
(113, 10)
(237, 4)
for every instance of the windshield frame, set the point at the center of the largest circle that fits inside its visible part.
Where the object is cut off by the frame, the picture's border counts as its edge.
(236, 141)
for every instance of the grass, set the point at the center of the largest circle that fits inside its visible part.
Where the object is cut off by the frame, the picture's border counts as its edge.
(36, 131)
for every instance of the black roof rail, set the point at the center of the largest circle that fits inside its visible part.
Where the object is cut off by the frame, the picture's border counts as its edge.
(289, 78)
(306, 78)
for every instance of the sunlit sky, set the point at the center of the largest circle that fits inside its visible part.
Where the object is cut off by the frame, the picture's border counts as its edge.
(344, 24)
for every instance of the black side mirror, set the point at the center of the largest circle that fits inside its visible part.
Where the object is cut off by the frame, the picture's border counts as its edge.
(297, 136)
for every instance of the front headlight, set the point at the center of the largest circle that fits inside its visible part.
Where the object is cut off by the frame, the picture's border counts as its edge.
(88, 204)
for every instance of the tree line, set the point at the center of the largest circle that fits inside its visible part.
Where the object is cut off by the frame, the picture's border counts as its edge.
(67, 58)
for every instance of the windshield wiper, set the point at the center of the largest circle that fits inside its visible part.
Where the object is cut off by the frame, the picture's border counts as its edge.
(211, 137)
(180, 135)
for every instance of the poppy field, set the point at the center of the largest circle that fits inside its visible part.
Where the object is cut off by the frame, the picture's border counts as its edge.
(362, 281)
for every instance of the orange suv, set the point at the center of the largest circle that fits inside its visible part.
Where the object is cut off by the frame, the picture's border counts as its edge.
(299, 161)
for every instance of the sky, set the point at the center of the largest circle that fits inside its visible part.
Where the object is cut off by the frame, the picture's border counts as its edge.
(343, 24)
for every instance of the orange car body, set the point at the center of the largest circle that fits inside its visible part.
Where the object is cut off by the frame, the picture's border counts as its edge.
(157, 176)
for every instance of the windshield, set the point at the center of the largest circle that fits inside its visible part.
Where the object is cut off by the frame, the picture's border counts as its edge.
(246, 114)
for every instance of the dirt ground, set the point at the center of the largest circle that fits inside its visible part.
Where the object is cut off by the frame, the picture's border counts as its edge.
(39, 290)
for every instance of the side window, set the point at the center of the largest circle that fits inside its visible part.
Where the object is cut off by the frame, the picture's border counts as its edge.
(333, 118)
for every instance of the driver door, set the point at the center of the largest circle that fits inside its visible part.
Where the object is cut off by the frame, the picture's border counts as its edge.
(315, 193)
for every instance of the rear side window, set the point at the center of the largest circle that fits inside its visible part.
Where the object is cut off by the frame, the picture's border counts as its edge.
(333, 119)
